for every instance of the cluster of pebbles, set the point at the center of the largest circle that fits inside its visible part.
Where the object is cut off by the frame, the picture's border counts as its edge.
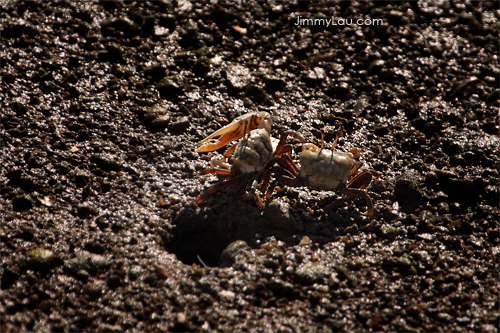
(103, 106)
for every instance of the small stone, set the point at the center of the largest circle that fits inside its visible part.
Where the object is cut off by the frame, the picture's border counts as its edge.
(228, 256)
(305, 241)
(407, 192)
(40, 259)
(106, 162)
(376, 66)
(281, 288)
(85, 210)
(238, 77)
(444, 317)
(333, 281)
(92, 263)
(310, 273)
(389, 232)
(278, 213)
(172, 86)
(443, 208)
(352, 229)
(425, 237)
(180, 124)
(227, 295)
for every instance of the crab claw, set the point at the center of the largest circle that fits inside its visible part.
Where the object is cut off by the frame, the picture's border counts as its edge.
(236, 130)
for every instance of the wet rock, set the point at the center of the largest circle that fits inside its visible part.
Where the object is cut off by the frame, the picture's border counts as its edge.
(107, 162)
(274, 83)
(389, 232)
(85, 211)
(443, 208)
(376, 66)
(352, 229)
(22, 202)
(407, 192)
(315, 77)
(157, 117)
(237, 76)
(180, 124)
(281, 288)
(425, 236)
(39, 259)
(278, 214)
(228, 256)
(172, 86)
(309, 273)
(91, 263)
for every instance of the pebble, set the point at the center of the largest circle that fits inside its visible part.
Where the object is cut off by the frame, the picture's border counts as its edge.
(228, 255)
(91, 263)
(425, 237)
(389, 232)
(352, 229)
(40, 259)
(172, 86)
(281, 288)
(278, 214)
(107, 162)
(309, 273)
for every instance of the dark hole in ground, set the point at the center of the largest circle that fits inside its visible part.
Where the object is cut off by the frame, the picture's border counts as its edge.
(195, 241)
(192, 253)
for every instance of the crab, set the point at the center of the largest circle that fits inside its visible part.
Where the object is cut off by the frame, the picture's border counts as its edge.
(250, 155)
(322, 169)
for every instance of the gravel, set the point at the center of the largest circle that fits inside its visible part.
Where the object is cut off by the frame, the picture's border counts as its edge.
(103, 107)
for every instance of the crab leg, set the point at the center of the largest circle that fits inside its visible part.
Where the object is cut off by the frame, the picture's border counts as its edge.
(221, 185)
(216, 171)
(281, 148)
(363, 179)
(285, 163)
(236, 130)
(354, 192)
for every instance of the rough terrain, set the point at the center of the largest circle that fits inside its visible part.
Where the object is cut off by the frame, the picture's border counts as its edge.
(104, 103)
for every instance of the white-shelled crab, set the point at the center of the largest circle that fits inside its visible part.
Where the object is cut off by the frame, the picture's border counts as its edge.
(250, 155)
(322, 169)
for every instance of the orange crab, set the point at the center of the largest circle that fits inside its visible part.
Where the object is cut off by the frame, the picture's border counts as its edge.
(250, 155)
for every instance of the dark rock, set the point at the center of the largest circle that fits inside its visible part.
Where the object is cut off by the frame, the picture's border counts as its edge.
(228, 256)
(180, 124)
(106, 162)
(91, 263)
(172, 86)
(407, 192)
(85, 211)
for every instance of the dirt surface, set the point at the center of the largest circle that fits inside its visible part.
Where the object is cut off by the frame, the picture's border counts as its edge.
(104, 104)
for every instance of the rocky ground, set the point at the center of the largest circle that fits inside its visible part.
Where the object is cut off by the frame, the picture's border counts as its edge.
(104, 103)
